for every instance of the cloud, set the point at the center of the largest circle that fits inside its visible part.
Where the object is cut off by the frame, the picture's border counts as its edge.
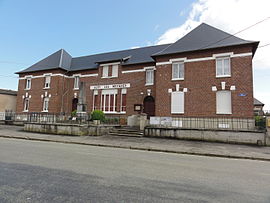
(230, 16)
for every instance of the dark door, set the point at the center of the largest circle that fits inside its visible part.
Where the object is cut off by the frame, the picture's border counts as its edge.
(74, 104)
(149, 106)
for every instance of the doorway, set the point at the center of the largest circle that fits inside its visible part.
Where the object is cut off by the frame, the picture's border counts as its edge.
(74, 104)
(149, 106)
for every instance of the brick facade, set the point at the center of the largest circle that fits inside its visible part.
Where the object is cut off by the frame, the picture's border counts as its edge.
(200, 76)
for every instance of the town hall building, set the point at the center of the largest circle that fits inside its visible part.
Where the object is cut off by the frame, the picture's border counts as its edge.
(206, 73)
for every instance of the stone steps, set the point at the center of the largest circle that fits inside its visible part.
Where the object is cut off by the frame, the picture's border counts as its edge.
(126, 131)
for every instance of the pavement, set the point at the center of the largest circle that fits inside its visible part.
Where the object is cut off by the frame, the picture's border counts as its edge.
(214, 149)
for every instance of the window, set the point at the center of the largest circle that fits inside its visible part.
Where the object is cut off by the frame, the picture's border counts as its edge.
(105, 73)
(28, 84)
(76, 82)
(95, 100)
(177, 102)
(149, 76)
(178, 71)
(26, 104)
(109, 100)
(45, 104)
(123, 100)
(223, 67)
(115, 71)
(47, 81)
(224, 102)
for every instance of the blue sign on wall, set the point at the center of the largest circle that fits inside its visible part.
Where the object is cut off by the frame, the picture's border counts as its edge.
(242, 94)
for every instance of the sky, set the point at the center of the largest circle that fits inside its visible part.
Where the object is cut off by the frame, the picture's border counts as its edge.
(30, 30)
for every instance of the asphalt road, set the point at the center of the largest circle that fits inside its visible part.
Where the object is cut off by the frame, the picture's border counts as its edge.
(33, 171)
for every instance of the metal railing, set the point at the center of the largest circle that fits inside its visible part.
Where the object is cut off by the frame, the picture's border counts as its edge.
(209, 123)
(79, 118)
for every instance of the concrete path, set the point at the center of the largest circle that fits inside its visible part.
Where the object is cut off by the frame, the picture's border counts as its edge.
(148, 144)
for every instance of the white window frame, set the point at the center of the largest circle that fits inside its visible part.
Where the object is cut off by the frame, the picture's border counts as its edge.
(45, 108)
(28, 83)
(76, 82)
(123, 92)
(177, 107)
(103, 102)
(24, 104)
(115, 70)
(149, 76)
(222, 59)
(179, 66)
(220, 100)
(47, 83)
(105, 71)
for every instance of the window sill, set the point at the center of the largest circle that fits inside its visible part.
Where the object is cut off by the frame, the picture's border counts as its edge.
(223, 76)
(46, 88)
(114, 112)
(175, 79)
(223, 113)
(44, 111)
(75, 88)
(109, 77)
(177, 112)
(25, 111)
(149, 84)
(28, 89)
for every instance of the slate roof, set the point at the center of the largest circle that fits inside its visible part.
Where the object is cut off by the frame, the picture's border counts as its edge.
(202, 37)
(135, 56)
(8, 92)
(256, 102)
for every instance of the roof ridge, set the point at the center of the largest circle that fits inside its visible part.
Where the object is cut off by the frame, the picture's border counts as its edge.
(123, 50)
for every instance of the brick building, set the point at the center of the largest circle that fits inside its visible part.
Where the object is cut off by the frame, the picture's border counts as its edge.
(206, 73)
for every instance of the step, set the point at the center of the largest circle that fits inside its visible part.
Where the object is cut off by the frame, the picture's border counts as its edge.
(126, 131)
(125, 135)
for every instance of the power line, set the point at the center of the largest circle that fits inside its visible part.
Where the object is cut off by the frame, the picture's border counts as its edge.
(265, 45)
(237, 33)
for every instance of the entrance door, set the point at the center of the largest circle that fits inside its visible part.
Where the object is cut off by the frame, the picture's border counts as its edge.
(74, 104)
(149, 106)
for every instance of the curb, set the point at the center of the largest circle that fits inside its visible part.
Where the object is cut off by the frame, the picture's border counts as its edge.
(139, 148)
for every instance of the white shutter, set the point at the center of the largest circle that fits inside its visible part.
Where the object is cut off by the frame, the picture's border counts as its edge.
(224, 102)
(105, 71)
(115, 70)
(177, 102)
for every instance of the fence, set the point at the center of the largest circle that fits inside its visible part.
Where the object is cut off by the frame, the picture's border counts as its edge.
(80, 118)
(209, 123)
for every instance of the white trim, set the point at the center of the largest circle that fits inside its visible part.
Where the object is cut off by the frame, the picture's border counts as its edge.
(58, 74)
(150, 67)
(109, 64)
(213, 57)
(178, 59)
(163, 63)
(223, 76)
(61, 57)
(133, 71)
(229, 54)
(242, 55)
(175, 79)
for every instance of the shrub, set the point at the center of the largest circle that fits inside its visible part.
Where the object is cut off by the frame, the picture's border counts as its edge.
(97, 115)
(74, 113)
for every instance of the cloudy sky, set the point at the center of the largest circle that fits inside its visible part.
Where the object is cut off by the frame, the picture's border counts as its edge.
(31, 30)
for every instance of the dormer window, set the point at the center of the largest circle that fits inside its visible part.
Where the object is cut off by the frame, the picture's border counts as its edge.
(47, 81)
(115, 71)
(110, 70)
(105, 72)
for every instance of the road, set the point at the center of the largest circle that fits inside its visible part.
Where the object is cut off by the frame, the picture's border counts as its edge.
(32, 171)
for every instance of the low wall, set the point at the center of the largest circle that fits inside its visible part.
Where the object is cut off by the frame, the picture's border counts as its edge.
(208, 135)
(68, 129)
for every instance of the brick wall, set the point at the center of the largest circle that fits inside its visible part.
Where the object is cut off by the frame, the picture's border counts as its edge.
(200, 76)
